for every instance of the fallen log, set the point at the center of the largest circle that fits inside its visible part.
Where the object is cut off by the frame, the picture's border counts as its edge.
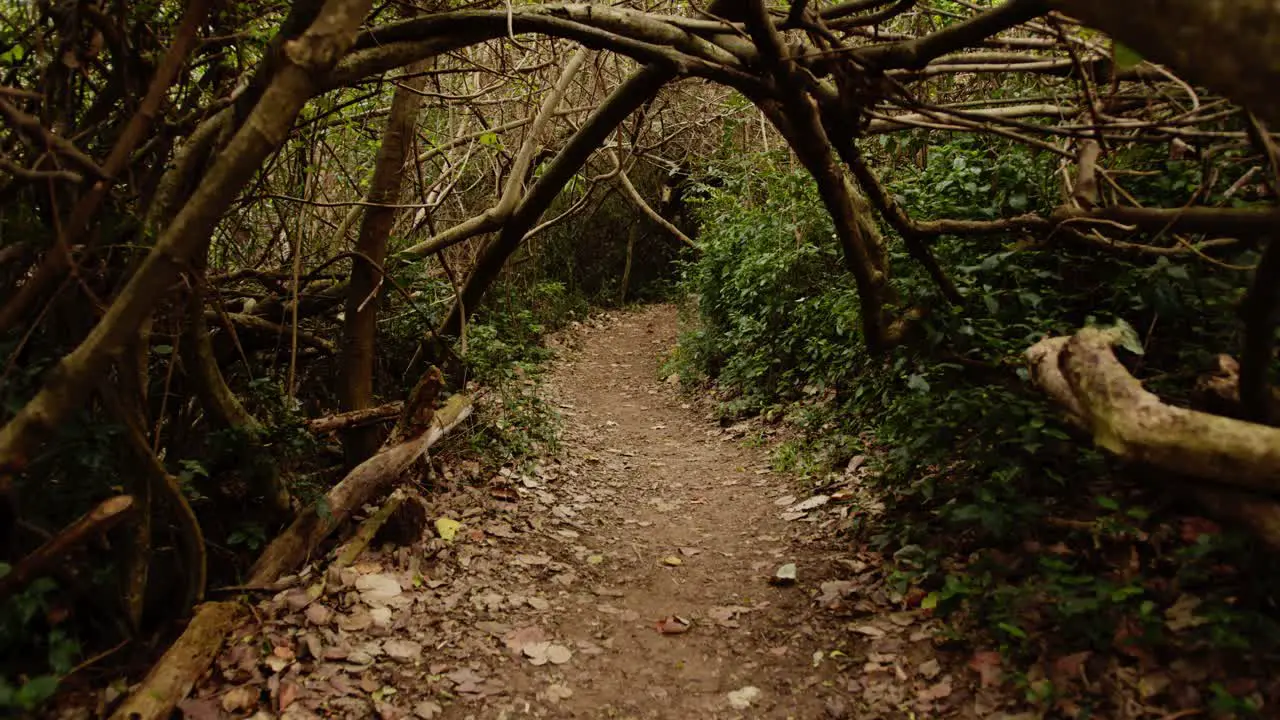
(174, 675)
(355, 418)
(1098, 394)
(1083, 374)
(105, 516)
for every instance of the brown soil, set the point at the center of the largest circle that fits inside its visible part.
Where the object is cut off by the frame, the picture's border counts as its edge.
(549, 600)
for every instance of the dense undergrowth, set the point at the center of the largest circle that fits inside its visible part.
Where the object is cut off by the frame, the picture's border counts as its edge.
(50, 629)
(998, 517)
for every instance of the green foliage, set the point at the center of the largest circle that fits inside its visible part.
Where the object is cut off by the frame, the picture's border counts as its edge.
(965, 449)
(28, 629)
(505, 353)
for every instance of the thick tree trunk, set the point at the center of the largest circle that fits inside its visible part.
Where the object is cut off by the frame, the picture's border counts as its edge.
(359, 332)
(1082, 374)
(221, 404)
(1227, 45)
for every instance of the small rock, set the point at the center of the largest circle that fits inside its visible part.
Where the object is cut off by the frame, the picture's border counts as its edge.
(785, 575)
(741, 699)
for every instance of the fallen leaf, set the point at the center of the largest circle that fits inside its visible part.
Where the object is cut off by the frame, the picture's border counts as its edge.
(533, 560)
(277, 663)
(987, 664)
(318, 614)
(935, 692)
(557, 692)
(238, 699)
(930, 668)
(558, 654)
(311, 642)
(1153, 684)
(538, 603)
(1181, 615)
(689, 551)
(1069, 667)
(741, 699)
(1194, 527)
(785, 500)
(193, 709)
(427, 709)
(855, 462)
(447, 528)
(404, 650)
(673, 625)
(377, 589)
(464, 675)
(520, 638)
(537, 652)
(500, 529)
(812, 503)
(785, 575)
(726, 615)
(672, 561)
(595, 559)
(835, 591)
(288, 693)
(870, 631)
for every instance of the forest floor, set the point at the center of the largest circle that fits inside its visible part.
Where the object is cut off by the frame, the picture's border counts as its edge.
(631, 574)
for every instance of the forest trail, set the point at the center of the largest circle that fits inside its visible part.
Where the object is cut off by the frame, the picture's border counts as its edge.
(551, 599)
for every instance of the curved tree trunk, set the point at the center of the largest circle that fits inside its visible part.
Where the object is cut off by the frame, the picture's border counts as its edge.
(1084, 376)
(624, 100)
(355, 389)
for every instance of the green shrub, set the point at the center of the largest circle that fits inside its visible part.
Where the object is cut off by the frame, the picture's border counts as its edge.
(966, 449)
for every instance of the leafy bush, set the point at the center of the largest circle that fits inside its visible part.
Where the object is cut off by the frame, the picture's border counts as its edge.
(1044, 535)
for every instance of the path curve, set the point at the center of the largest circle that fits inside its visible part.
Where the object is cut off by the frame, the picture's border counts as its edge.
(551, 599)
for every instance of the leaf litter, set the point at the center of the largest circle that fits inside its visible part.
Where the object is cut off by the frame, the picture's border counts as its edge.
(546, 566)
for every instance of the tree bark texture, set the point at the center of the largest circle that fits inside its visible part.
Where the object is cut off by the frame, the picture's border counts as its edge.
(359, 332)
(1083, 375)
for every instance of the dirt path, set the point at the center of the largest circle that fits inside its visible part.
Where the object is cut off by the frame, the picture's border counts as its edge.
(662, 485)
(550, 599)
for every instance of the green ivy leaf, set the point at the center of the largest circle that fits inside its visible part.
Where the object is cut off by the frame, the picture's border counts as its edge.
(36, 691)
(1127, 338)
(1124, 56)
(918, 383)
